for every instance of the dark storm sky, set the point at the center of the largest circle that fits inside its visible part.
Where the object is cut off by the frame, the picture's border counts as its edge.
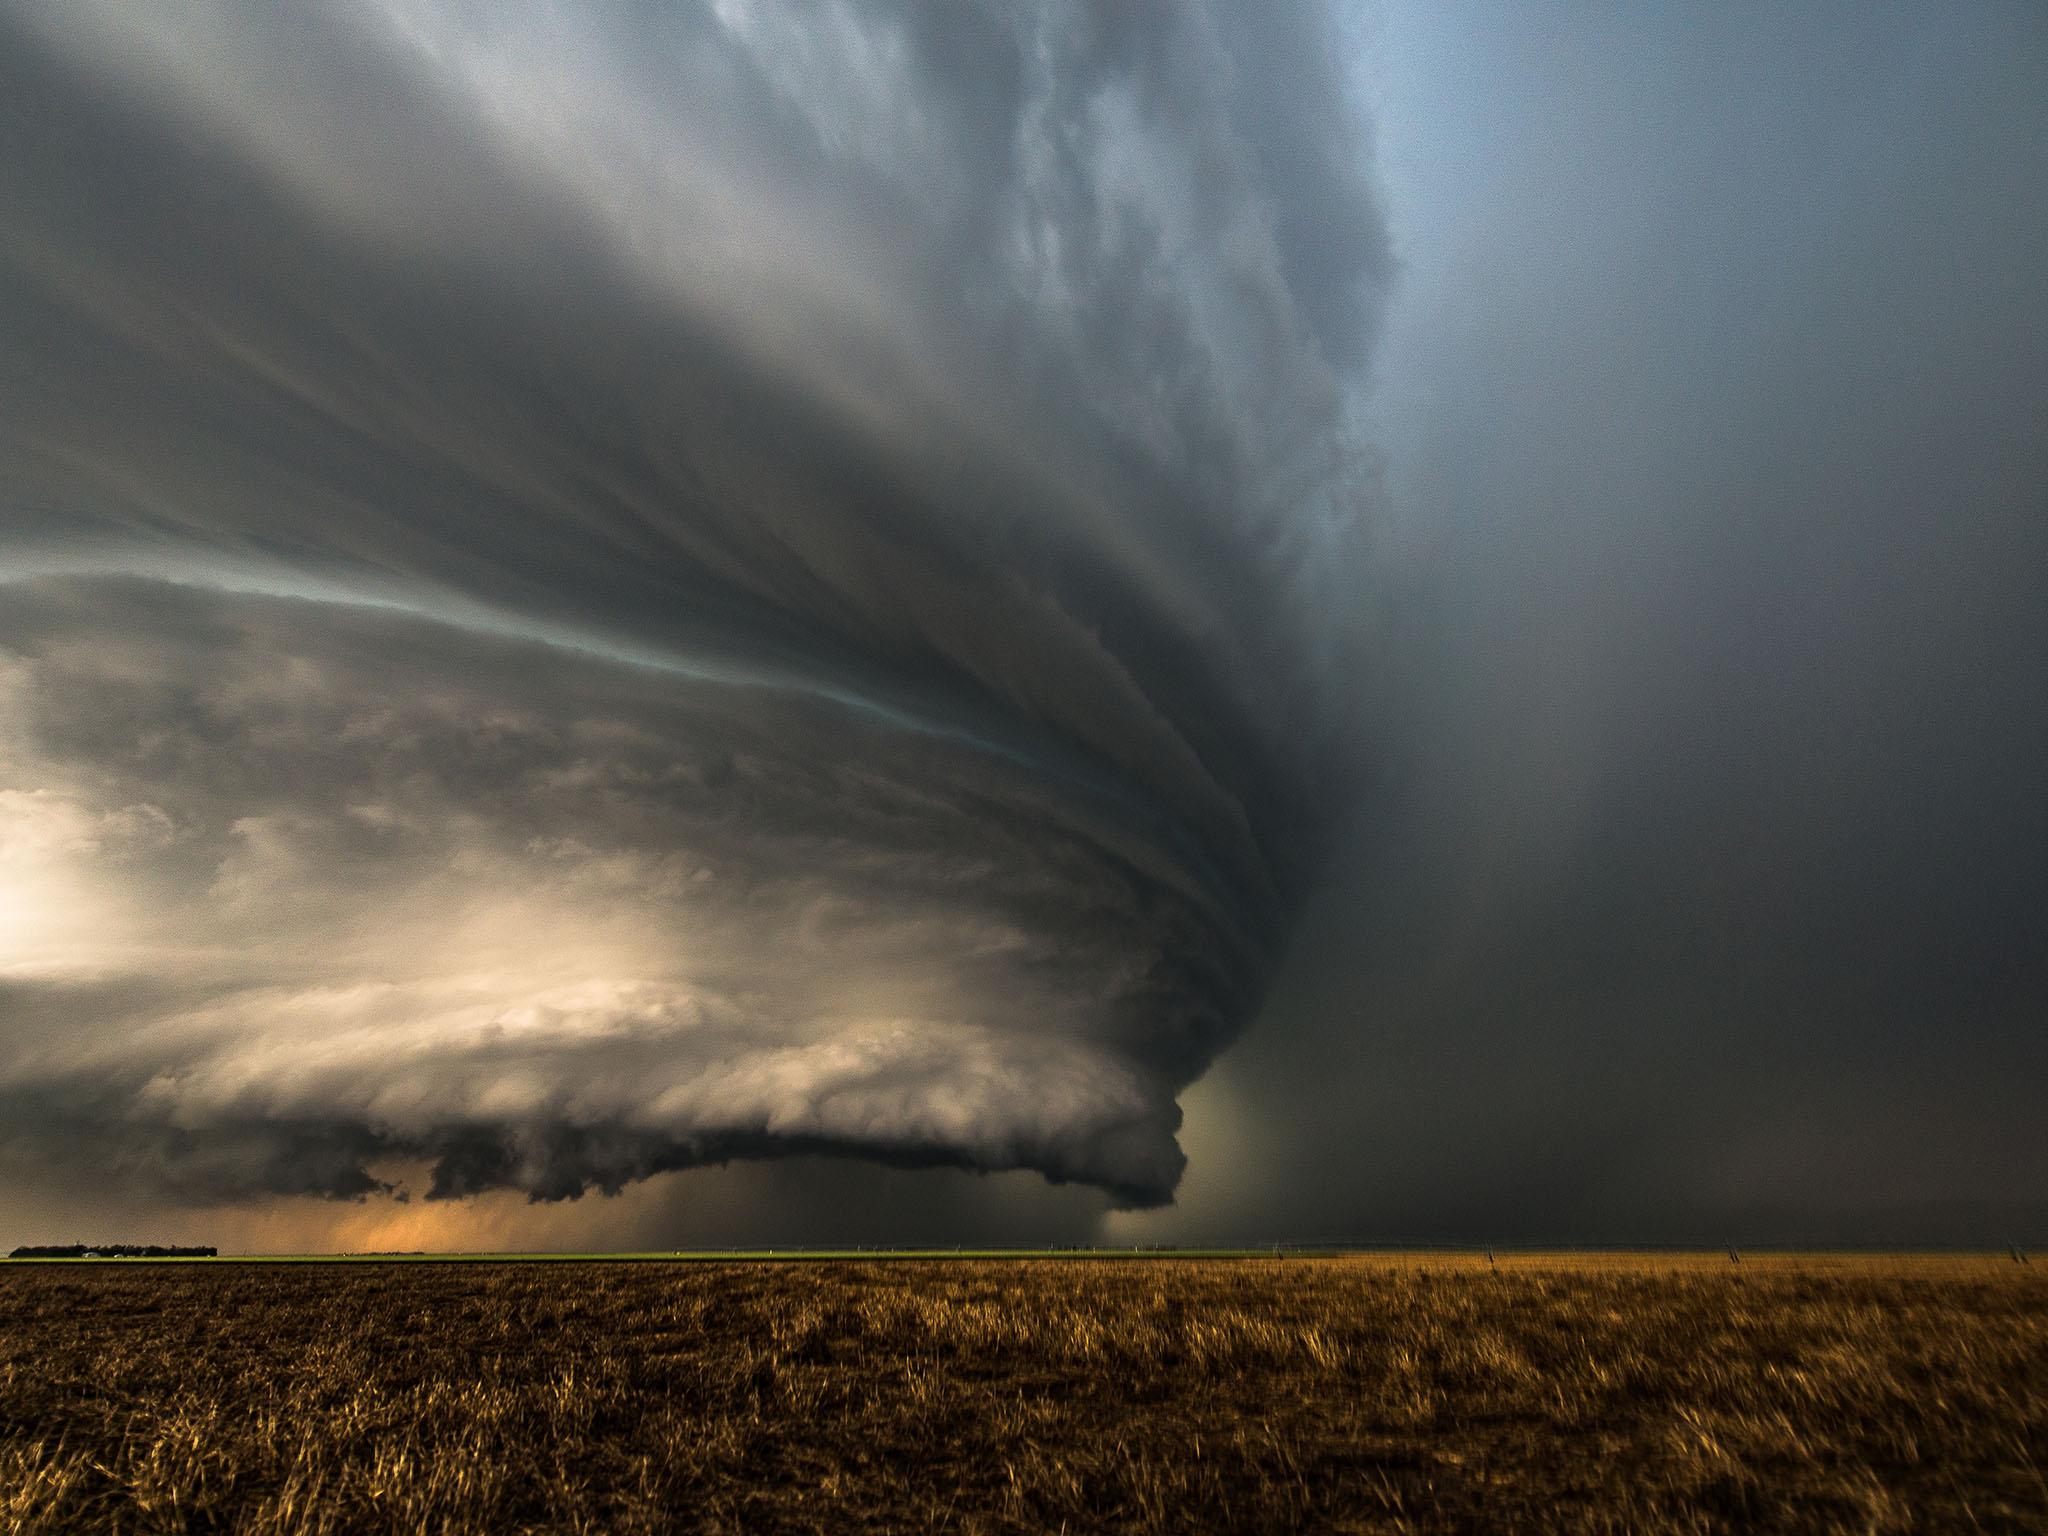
(1716, 404)
(877, 587)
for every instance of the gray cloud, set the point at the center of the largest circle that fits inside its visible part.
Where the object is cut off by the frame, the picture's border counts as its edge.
(585, 595)
(1706, 896)
(591, 596)
(556, 921)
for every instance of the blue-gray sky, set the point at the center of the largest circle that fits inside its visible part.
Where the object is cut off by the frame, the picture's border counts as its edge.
(807, 614)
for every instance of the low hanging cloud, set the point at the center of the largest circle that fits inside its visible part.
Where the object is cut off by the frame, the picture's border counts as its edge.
(587, 596)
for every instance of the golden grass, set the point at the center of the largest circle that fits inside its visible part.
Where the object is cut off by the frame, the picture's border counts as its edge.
(1392, 1393)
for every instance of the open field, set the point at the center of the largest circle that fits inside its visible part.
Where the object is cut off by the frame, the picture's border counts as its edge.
(1390, 1392)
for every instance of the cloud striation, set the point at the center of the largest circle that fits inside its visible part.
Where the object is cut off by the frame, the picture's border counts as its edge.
(588, 593)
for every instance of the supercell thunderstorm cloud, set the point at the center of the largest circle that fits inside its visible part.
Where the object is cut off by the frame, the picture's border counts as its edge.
(590, 592)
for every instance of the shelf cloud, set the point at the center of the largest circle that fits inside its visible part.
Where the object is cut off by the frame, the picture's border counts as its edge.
(589, 593)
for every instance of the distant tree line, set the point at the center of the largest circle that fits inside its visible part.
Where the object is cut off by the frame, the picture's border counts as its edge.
(110, 1251)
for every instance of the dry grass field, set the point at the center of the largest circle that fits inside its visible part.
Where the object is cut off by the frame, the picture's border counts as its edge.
(1160, 1395)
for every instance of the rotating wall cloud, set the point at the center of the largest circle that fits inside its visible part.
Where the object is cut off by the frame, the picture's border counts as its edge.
(588, 597)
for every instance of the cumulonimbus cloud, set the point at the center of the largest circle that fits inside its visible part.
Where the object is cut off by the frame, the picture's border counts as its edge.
(588, 596)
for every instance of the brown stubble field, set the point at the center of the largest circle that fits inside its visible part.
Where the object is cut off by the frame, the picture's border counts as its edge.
(1412, 1393)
